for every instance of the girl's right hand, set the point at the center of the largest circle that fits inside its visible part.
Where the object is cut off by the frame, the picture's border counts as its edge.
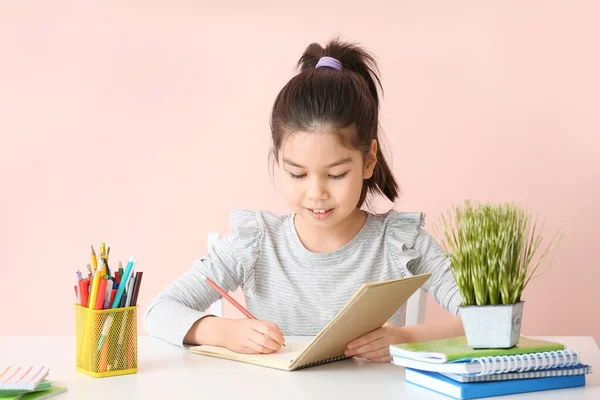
(252, 336)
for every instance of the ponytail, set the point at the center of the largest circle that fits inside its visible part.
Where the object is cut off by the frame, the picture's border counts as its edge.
(340, 93)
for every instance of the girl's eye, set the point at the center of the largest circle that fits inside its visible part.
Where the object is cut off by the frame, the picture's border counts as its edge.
(338, 176)
(297, 176)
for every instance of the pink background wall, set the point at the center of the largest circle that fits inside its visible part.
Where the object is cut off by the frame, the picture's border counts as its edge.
(142, 127)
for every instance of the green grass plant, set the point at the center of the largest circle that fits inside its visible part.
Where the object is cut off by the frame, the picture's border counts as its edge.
(491, 249)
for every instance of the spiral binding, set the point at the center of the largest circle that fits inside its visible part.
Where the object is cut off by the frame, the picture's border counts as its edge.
(526, 362)
(329, 360)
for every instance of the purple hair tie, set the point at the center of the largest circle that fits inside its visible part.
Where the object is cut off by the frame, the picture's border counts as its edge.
(329, 62)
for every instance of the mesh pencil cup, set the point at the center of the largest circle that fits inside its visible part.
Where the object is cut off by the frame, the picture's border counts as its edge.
(106, 341)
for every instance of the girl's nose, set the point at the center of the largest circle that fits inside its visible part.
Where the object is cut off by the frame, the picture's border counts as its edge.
(317, 190)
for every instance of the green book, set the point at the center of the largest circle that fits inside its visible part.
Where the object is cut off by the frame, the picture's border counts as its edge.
(456, 348)
(36, 395)
(45, 385)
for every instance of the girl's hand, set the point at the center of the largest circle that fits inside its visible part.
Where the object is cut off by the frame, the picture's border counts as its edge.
(375, 345)
(252, 336)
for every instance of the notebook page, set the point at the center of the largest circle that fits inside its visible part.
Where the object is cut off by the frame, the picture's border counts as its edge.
(22, 377)
(280, 360)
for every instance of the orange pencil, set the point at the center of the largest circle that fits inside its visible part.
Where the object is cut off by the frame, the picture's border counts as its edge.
(103, 357)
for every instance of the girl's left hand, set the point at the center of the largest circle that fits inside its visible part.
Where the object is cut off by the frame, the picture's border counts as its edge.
(375, 345)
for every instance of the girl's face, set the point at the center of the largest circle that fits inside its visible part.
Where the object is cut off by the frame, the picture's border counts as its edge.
(322, 179)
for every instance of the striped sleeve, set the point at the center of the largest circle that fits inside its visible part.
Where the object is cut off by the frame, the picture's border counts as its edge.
(442, 285)
(230, 264)
(171, 314)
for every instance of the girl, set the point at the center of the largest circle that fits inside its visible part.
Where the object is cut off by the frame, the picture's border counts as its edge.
(298, 270)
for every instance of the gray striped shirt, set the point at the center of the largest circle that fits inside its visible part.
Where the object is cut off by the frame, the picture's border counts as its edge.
(299, 290)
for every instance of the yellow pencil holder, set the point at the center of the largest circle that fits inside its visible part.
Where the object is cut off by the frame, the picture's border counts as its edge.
(106, 341)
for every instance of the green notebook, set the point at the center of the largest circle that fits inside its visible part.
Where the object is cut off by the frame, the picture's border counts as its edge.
(45, 385)
(36, 395)
(456, 348)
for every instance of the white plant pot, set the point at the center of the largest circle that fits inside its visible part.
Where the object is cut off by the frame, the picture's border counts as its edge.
(497, 326)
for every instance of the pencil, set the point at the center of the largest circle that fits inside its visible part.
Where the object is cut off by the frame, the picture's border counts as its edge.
(227, 296)
(94, 260)
(94, 287)
(103, 358)
(230, 299)
(103, 256)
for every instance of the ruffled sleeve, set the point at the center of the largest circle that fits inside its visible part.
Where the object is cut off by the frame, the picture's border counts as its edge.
(416, 252)
(247, 234)
(401, 234)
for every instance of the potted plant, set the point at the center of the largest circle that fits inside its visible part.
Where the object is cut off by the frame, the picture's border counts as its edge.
(491, 249)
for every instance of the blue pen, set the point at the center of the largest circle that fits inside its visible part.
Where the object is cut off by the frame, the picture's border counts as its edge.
(123, 283)
(109, 320)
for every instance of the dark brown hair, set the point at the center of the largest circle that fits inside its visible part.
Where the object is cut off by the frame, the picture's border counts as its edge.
(325, 97)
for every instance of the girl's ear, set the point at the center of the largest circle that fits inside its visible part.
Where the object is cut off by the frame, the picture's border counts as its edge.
(370, 160)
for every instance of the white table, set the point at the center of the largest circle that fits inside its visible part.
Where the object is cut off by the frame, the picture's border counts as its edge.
(169, 372)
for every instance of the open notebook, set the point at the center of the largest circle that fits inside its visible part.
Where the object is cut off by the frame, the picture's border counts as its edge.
(370, 307)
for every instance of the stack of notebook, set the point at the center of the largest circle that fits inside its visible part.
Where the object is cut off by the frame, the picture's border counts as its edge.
(27, 383)
(451, 367)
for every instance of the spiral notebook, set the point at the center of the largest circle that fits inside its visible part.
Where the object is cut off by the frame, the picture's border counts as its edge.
(497, 364)
(370, 307)
(579, 369)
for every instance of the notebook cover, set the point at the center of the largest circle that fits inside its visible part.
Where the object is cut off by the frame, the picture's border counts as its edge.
(370, 307)
(457, 348)
(11, 396)
(53, 391)
(441, 384)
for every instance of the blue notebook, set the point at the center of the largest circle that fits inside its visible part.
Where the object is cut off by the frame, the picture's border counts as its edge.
(439, 383)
